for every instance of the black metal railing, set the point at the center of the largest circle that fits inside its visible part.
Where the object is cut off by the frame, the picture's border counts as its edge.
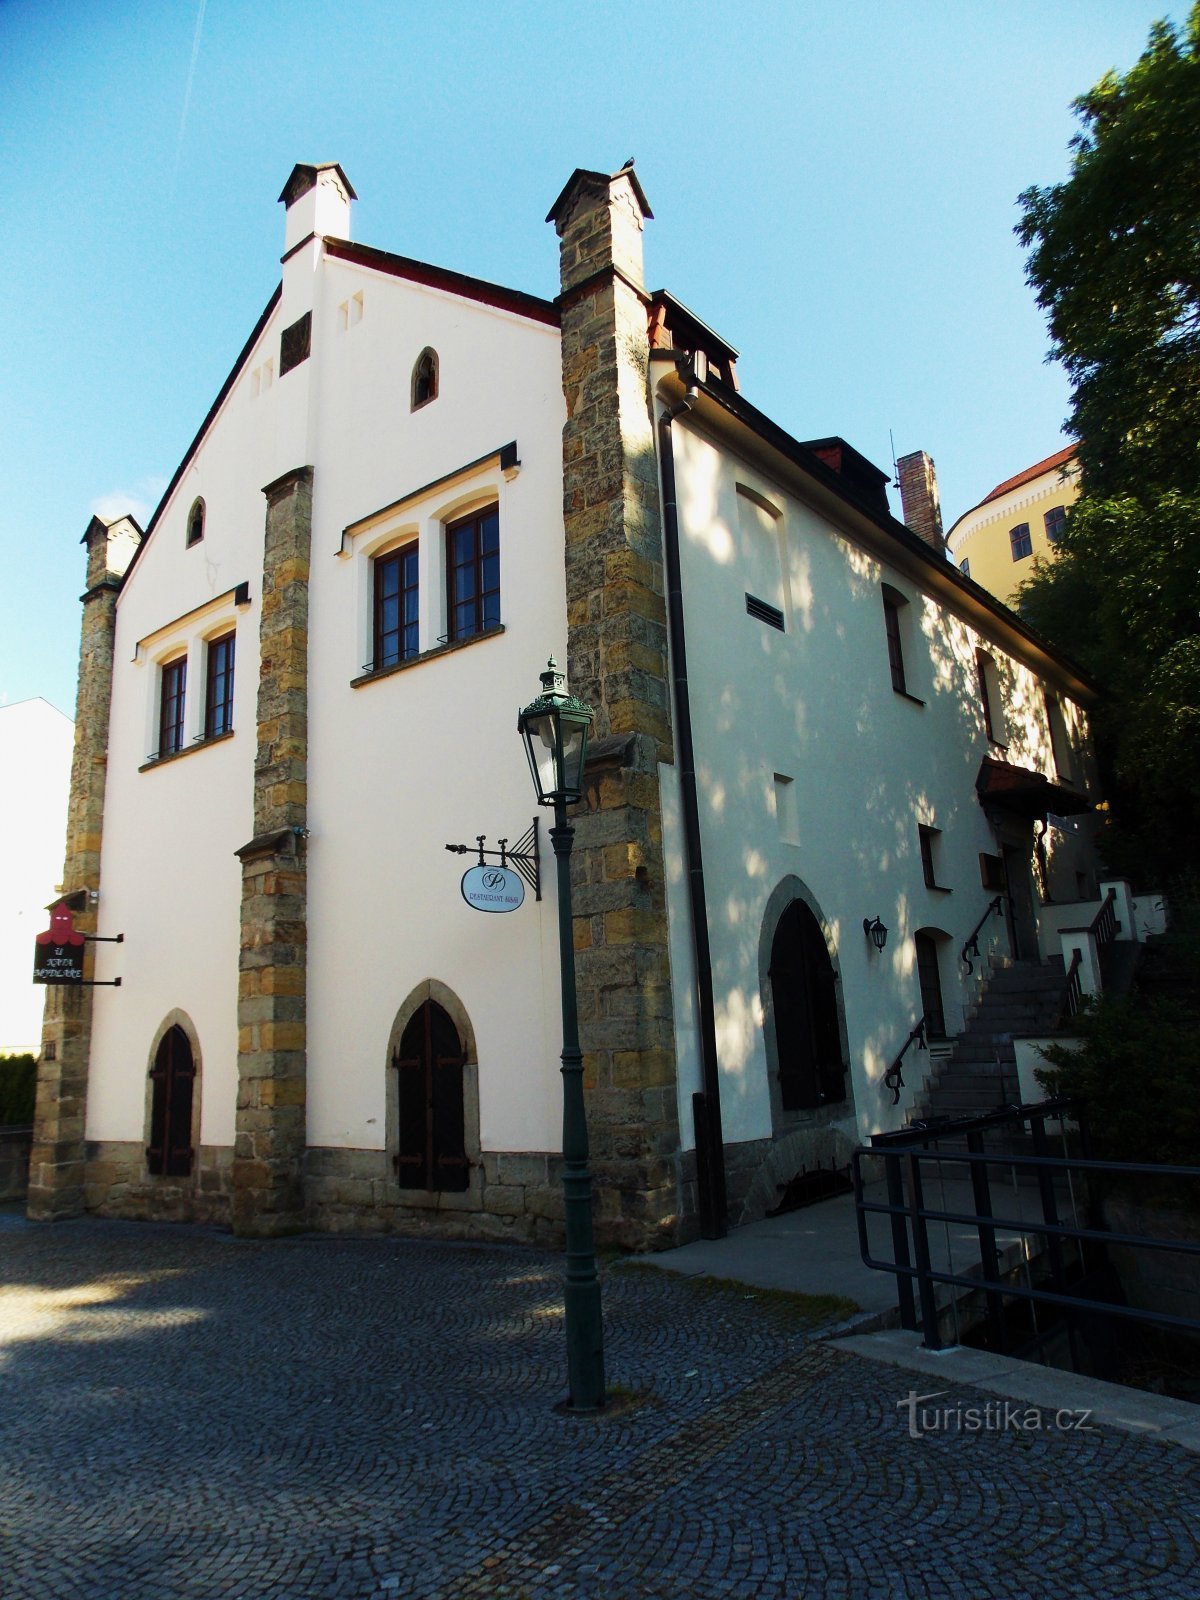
(970, 950)
(1103, 927)
(909, 1154)
(893, 1078)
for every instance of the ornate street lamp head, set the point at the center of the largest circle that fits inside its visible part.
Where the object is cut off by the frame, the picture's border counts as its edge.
(555, 730)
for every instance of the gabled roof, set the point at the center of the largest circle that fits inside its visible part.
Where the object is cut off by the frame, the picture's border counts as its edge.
(1058, 459)
(859, 496)
(243, 357)
(424, 272)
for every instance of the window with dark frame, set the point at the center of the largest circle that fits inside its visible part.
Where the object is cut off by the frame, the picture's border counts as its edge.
(295, 343)
(892, 601)
(1055, 520)
(989, 703)
(1021, 541)
(964, 566)
(396, 634)
(928, 837)
(425, 379)
(218, 689)
(195, 524)
(473, 574)
(171, 704)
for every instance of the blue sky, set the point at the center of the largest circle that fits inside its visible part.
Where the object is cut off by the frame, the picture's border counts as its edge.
(834, 189)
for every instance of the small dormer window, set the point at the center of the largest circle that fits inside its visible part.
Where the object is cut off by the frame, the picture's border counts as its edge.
(195, 524)
(425, 379)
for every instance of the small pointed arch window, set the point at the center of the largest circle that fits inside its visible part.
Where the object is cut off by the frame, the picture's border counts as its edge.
(195, 523)
(425, 379)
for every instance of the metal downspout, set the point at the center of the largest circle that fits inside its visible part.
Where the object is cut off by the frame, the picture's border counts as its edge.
(710, 1145)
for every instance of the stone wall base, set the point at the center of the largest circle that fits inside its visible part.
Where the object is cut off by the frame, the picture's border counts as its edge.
(759, 1170)
(511, 1195)
(116, 1184)
(516, 1196)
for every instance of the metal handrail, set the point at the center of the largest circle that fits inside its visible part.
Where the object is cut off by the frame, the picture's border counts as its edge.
(1072, 995)
(1103, 926)
(970, 950)
(903, 1154)
(893, 1078)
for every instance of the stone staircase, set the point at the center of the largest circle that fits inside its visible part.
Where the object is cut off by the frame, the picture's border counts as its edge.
(979, 1072)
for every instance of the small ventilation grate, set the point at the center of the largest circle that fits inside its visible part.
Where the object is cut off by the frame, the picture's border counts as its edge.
(764, 612)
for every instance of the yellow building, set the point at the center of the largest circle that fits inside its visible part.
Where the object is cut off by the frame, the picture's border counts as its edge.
(995, 542)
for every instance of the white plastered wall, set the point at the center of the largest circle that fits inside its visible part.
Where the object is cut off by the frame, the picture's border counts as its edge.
(427, 756)
(815, 704)
(397, 768)
(170, 881)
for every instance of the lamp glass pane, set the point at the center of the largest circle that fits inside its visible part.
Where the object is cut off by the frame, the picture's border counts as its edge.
(542, 744)
(573, 736)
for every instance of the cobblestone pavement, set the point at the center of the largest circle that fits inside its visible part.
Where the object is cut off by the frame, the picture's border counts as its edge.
(184, 1416)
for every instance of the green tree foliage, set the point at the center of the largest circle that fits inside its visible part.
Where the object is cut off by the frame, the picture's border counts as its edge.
(1115, 261)
(1139, 1062)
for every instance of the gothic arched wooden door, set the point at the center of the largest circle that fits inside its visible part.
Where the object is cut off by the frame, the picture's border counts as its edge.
(173, 1081)
(431, 1150)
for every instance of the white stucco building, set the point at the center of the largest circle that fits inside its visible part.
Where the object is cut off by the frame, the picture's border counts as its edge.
(35, 759)
(412, 488)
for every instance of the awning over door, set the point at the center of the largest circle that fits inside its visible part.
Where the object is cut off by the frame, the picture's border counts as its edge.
(1003, 786)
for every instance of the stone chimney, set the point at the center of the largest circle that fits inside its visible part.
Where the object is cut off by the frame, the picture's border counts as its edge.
(919, 498)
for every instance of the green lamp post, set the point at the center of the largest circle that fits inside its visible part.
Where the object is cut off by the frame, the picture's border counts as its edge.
(555, 730)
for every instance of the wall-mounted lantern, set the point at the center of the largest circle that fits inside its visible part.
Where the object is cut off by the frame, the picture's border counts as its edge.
(875, 931)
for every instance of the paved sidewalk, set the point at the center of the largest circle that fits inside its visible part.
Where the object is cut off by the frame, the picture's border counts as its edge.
(184, 1416)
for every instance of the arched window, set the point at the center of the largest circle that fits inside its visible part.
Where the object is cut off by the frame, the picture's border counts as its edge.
(431, 1151)
(811, 1069)
(195, 523)
(425, 379)
(173, 1078)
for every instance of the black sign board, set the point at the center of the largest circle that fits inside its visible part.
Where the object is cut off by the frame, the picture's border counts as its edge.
(58, 963)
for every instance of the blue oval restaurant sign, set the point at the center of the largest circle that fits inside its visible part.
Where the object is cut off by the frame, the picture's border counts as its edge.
(492, 889)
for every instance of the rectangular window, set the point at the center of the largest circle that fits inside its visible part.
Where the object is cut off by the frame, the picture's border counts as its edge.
(891, 622)
(295, 343)
(990, 700)
(218, 691)
(396, 635)
(473, 574)
(929, 843)
(1020, 540)
(170, 711)
(1055, 520)
(964, 566)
